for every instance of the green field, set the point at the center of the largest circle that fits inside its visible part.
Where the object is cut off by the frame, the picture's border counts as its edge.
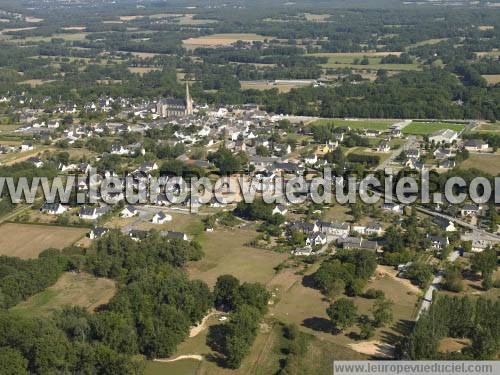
(380, 125)
(346, 60)
(426, 128)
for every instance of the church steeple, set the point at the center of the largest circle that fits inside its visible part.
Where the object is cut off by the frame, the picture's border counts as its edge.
(189, 101)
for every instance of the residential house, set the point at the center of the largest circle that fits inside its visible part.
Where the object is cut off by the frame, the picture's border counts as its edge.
(333, 228)
(280, 209)
(161, 218)
(384, 147)
(445, 224)
(470, 210)
(438, 242)
(53, 208)
(476, 145)
(37, 162)
(303, 251)
(97, 232)
(175, 235)
(138, 235)
(374, 229)
(128, 211)
(316, 239)
(92, 213)
(393, 207)
(26, 146)
(119, 150)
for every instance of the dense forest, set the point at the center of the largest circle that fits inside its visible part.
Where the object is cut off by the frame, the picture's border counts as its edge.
(151, 313)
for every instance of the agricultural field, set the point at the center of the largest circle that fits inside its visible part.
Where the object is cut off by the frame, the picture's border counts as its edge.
(377, 124)
(426, 128)
(142, 70)
(265, 85)
(492, 79)
(346, 60)
(221, 40)
(489, 163)
(75, 289)
(35, 239)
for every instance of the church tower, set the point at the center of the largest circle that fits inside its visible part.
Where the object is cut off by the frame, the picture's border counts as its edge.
(189, 102)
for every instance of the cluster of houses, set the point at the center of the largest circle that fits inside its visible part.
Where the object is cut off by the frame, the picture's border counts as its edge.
(319, 234)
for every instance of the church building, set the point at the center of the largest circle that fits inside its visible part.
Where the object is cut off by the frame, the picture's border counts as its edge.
(171, 107)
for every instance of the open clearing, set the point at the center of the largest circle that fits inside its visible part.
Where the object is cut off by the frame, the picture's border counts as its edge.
(35, 239)
(426, 128)
(489, 163)
(265, 85)
(346, 60)
(492, 79)
(226, 253)
(221, 40)
(76, 289)
(142, 70)
(306, 307)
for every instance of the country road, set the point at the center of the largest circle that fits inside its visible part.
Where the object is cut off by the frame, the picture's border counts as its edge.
(435, 285)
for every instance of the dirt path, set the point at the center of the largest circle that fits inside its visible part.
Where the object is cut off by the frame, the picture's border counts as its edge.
(373, 348)
(200, 327)
(187, 356)
(390, 272)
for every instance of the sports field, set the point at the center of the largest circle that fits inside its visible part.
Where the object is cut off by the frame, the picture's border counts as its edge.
(379, 125)
(426, 128)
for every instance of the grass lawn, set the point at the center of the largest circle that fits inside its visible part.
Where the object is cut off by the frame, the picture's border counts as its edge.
(35, 239)
(489, 163)
(426, 128)
(226, 253)
(76, 289)
(380, 125)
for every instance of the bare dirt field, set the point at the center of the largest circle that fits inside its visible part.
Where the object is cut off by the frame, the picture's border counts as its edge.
(75, 289)
(221, 40)
(27, 241)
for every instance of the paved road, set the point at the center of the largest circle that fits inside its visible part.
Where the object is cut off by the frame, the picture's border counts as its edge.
(484, 235)
(408, 144)
(435, 285)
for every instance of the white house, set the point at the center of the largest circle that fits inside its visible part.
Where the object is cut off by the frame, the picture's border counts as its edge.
(476, 145)
(316, 239)
(53, 208)
(443, 136)
(97, 232)
(334, 229)
(383, 147)
(311, 159)
(128, 211)
(26, 146)
(119, 150)
(393, 207)
(280, 209)
(161, 218)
